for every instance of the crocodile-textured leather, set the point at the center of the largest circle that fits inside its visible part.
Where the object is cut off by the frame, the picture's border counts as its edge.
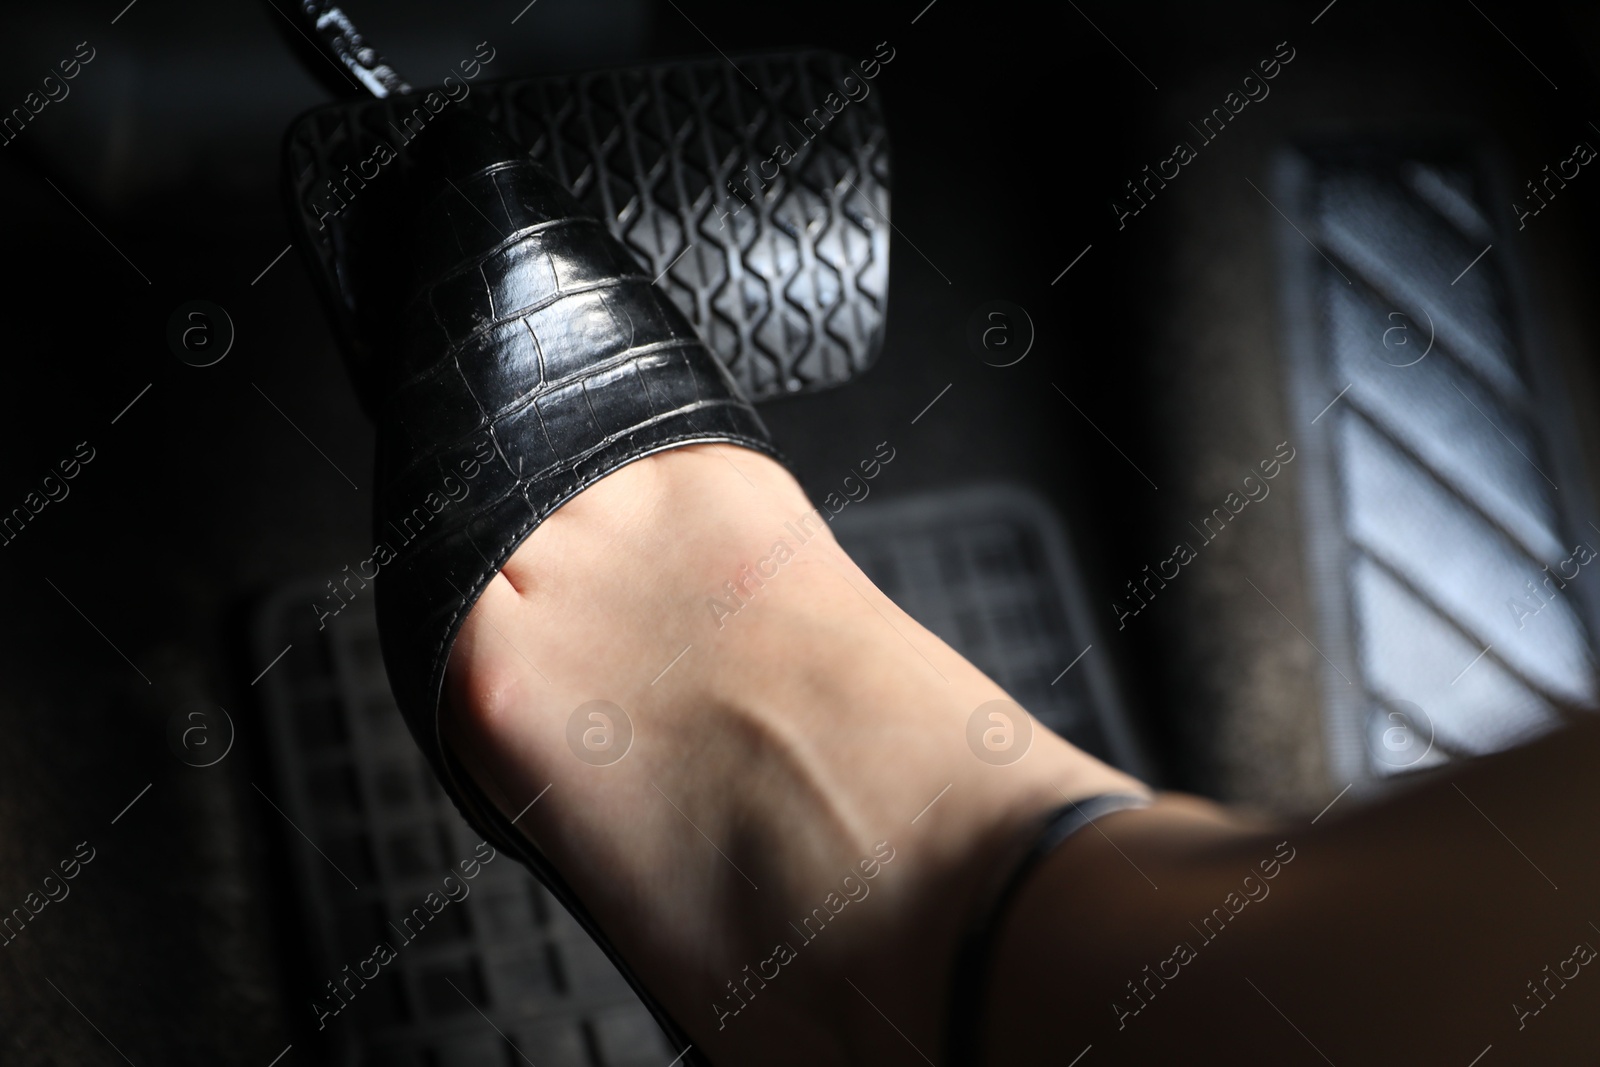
(533, 357)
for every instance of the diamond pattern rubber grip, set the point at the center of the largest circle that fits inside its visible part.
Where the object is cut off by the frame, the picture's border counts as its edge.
(782, 267)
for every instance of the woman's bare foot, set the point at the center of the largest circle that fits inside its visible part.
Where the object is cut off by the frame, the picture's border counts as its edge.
(764, 852)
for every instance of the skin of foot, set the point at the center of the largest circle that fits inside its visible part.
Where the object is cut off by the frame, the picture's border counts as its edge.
(798, 831)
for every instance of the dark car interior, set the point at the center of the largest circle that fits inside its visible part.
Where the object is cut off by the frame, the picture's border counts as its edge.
(1220, 379)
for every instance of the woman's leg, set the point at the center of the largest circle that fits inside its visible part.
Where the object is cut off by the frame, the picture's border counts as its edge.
(777, 747)
(765, 853)
(1461, 913)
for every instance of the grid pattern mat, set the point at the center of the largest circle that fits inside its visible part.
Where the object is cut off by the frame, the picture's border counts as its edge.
(989, 570)
(351, 780)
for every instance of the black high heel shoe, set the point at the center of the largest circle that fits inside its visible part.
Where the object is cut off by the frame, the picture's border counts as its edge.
(529, 358)
(512, 351)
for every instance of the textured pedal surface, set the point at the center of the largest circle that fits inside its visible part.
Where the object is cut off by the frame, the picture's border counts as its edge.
(1446, 564)
(990, 570)
(786, 280)
(379, 837)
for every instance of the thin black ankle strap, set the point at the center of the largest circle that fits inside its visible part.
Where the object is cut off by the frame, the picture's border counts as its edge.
(975, 956)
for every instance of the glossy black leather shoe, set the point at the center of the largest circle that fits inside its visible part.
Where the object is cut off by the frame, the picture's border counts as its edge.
(529, 359)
